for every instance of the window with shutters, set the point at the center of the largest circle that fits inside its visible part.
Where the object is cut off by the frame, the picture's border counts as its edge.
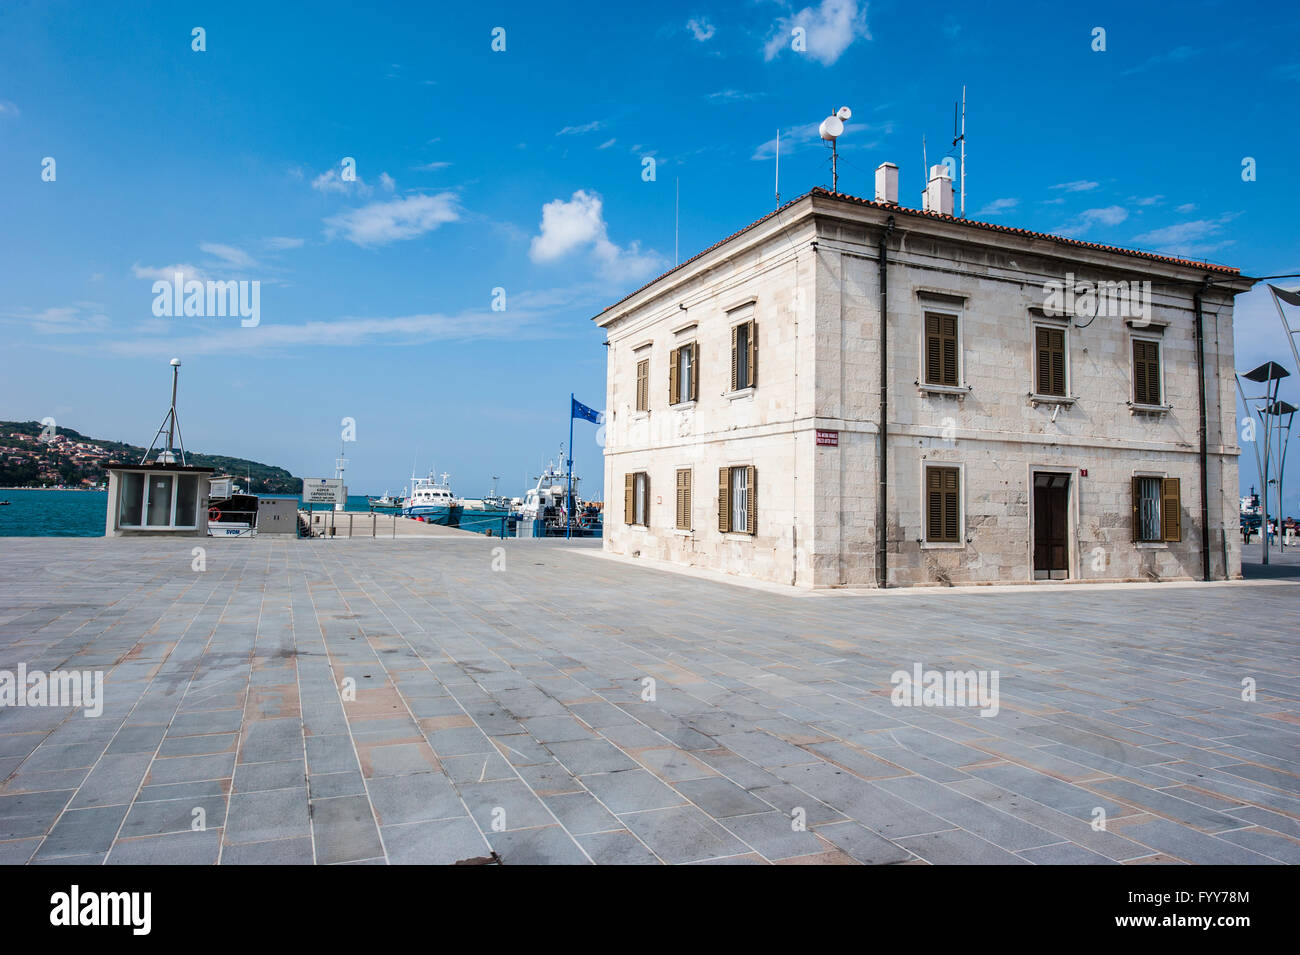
(683, 384)
(942, 349)
(942, 505)
(1050, 361)
(738, 499)
(636, 498)
(684, 499)
(1157, 509)
(643, 385)
(1146, 372)
(744, 356)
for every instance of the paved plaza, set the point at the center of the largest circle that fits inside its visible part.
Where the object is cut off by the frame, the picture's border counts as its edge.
(539, 701)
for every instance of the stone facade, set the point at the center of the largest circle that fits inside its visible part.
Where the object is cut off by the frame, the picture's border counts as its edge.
(809, 277)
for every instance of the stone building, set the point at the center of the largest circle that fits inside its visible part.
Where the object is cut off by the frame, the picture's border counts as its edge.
(1043, 415)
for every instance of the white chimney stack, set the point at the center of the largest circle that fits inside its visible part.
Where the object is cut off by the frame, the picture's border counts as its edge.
(938, 191)
(887, 183)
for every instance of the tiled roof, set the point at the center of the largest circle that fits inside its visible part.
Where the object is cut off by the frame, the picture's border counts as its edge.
(991, 226)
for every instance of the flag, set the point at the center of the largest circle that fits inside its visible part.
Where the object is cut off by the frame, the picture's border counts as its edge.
(582, 411)
(1291, 298)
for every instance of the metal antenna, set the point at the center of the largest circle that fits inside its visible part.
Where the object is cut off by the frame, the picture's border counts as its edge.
(831, 129)
(959, 136)
(170, 424)
(778, 166)
(677, 220)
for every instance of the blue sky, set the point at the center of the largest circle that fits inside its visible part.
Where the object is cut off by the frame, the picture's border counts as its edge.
(523, 169)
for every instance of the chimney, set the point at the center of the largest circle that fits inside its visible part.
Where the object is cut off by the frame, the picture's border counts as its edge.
(938, 191)
(887, 183)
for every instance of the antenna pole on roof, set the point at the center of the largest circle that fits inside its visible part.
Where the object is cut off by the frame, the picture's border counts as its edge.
(677, 219)
(959, 136)
(778, 166)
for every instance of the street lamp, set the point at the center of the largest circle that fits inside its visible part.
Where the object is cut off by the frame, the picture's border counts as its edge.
(1269, 374)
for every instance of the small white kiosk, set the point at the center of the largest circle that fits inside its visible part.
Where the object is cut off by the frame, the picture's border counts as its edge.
(164, 496)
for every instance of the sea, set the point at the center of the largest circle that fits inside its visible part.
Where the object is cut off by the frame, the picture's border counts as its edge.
(38, 512)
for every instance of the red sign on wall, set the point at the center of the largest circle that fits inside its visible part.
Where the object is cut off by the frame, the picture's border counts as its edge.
(828, 439)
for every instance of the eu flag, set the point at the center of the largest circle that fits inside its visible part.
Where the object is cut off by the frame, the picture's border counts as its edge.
(582, 411)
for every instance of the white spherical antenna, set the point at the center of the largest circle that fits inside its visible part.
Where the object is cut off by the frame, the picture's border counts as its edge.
(844, 113)
(176, 362)
(831, 128)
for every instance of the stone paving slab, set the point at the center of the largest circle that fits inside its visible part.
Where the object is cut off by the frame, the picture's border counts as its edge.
(410, 702)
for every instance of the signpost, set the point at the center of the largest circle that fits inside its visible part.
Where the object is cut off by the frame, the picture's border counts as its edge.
(322, 491)
(828, 439)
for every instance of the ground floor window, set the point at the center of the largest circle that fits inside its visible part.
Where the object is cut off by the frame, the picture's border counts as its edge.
(684, 499)
(1157, 509)
(636, 498)
(737, 499)
(942, 505)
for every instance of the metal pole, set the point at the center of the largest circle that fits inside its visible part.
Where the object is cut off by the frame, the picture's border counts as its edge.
(963, 152)
(568, 504)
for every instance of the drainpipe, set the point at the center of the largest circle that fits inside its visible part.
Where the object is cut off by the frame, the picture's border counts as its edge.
(1200, 381)
(882, 450)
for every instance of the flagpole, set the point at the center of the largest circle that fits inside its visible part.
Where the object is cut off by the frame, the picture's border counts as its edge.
(568, 504)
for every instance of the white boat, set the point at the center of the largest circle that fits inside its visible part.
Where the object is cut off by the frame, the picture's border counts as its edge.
(430, 499)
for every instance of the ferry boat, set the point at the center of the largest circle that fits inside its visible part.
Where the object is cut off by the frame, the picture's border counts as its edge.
(431, 500)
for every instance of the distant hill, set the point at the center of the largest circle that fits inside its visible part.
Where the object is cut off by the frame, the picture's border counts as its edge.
(71, 458)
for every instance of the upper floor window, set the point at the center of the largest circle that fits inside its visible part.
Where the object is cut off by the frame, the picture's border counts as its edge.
(643, 385)
(941, 349)
(744, 355)
(1146, 372)
(683, 379)
(1049, 350)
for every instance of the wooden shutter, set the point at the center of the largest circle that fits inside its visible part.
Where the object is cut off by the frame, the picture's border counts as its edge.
(645, 498)
(752, 378)
(735, 331)
(629, 491)
(1146, 372)
(751, 500)
(1137, 509)
(933, 505)
(943, 505)
(949, 328)
(1171, 509)
(933, 351)
(643, 385)
(695, 371)
(1050, 346)
(724, 496)
(684, 500)
(672, 377)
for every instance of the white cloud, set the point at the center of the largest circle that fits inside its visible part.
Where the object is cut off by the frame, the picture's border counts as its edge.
(1085, 220)
(701, 28)
(607, 143)
(1196, 238)
(229, 255)
(281, 242)
(1148, 200)
(7, 108)
(84, 318)
(387, 182)
(591, 127)
(167, 273)
(1185, 208)
(432, 166)
(1178, 54)
(731, 96)
(389, 221)
(332, 181)
(828, 30)
(998, 206)
(579, 222)
(1079, 185)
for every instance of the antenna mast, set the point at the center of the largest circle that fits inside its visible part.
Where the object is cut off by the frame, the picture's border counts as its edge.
(778, 166)
(171, 425)
(831, 129)
(677, 220)
(959, 136)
